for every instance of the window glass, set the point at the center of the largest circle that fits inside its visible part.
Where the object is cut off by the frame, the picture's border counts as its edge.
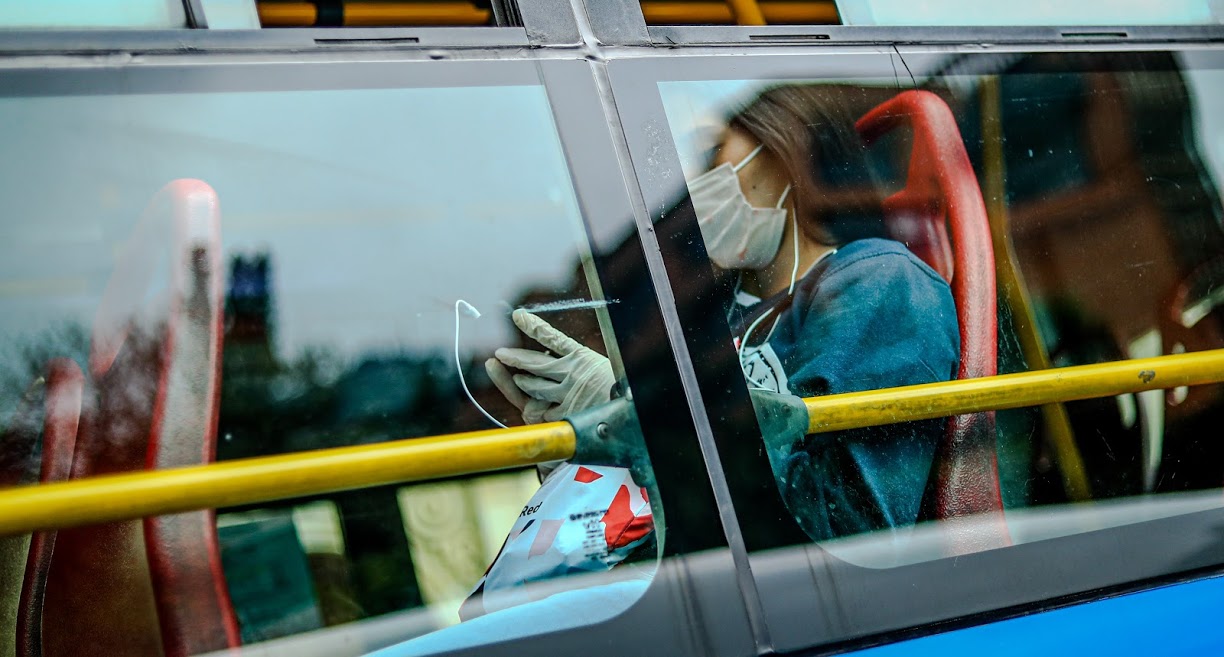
(819, 203)
(1089, 12)
(279, 271)
(1065, 183)
(91, 13)
(946, 13)
(753, 12)
(278, 13)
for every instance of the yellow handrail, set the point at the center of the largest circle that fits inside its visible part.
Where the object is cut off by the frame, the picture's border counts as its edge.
(932, 400)
(1015, 292)
(248, 481)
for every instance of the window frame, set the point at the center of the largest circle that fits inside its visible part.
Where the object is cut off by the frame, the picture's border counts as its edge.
(683, 586)
(621, 23)
(843, 606)
(527, 24)
(603, 150)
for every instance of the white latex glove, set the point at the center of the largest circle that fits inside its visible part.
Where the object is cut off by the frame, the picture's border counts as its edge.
(575, 379)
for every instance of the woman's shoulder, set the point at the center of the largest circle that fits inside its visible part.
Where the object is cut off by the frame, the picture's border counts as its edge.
(876, 271)
(875, 257)
(875, 317)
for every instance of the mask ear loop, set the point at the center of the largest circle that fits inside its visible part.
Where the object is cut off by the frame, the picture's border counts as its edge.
(739, 353)
(794, 239)
(744, 162)
(794, 276)
(469, 310)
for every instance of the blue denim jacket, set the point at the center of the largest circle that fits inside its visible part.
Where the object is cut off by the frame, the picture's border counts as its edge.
(871, 315)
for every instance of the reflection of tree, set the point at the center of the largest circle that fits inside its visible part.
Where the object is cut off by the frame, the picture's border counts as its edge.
(27, 358)
(22, 393)
(317, 398)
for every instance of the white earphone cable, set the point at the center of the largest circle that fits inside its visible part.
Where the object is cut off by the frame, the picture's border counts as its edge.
(471, 311)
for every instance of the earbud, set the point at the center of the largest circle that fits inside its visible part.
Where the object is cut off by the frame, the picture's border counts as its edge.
(468, 309)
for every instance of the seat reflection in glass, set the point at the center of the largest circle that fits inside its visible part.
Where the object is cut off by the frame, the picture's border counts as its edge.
(941, 192)
(153, 586)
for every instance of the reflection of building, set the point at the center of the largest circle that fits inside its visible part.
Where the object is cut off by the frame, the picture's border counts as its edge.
(270, 407)
(248, 302)
(248, 361)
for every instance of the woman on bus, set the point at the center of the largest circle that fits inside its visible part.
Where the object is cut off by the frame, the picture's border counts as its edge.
(820, 306)
(823, 305)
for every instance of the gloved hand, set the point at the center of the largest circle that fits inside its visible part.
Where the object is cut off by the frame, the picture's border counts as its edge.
(576, 379)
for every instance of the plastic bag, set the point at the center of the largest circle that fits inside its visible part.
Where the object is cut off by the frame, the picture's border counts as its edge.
(583, 519)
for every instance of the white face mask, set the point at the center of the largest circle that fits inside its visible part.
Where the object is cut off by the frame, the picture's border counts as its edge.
(737, 235)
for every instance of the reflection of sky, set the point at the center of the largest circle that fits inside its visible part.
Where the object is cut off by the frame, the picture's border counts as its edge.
(379, 207)
(1031, 12)
(1207, 91)
(92, 13)
(697, 112)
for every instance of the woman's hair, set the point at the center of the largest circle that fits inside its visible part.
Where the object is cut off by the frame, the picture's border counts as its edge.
(810, 128)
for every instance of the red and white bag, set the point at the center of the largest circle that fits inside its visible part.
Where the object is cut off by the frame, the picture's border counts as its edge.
(583, 519)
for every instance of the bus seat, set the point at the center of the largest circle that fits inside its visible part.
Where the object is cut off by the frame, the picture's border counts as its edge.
(18, 443)
(153, 587)
(65, 385)
(942, 192)
(193, 603)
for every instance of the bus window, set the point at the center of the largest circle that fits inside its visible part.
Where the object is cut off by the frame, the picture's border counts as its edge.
(740, 12)
(846, 228)
(900, 13)
(282, 13)
(217, 265)
(248, 14)
(963, 13)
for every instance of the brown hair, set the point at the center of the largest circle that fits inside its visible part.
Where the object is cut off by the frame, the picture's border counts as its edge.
(810, 128)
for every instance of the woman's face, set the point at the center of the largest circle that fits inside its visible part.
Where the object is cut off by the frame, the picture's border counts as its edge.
(763, 179)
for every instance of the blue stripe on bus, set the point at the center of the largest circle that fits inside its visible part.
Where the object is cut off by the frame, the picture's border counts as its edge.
(1182, 619)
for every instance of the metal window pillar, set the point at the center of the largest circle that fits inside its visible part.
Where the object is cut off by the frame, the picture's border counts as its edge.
(195, 14)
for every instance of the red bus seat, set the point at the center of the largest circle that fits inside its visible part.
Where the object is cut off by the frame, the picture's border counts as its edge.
(152, 587)
(193, 603)
(18, 447)
(65, 387)
(942, 192)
